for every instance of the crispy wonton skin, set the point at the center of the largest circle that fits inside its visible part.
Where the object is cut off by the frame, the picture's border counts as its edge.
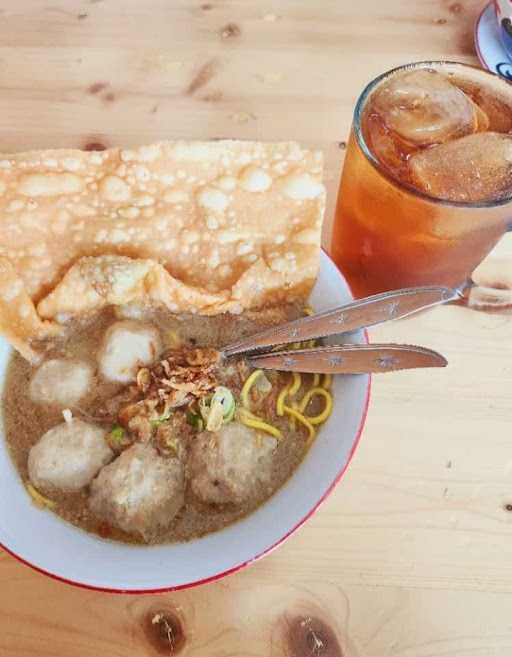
(204, 227)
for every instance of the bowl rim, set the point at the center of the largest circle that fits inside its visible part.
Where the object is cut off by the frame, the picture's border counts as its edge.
(229, 571)
(243, 564)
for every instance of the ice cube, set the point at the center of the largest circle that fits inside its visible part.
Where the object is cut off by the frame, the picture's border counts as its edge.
(499, 113)
(474, 168)
(423, 107)
(482, 120)
(392, 152)
(491, 103)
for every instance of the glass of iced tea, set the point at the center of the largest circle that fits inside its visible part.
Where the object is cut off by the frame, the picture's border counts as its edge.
(426, 190)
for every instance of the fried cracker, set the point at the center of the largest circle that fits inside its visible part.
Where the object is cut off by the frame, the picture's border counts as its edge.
(205, 227)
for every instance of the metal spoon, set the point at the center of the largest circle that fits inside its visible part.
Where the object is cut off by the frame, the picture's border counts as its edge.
(349, 359)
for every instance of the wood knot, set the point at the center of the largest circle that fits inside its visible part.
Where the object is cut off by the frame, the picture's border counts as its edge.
(230, 31)
(455, 8)
(97, 87)
(213, 97)
(95, 146)
(202, 77)
(164, 630)
(308, 636)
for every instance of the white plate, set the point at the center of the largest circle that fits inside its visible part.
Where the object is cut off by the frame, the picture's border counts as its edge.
(56, 548)
(490, 50)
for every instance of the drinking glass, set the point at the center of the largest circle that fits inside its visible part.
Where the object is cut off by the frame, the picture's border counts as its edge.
(389, 235)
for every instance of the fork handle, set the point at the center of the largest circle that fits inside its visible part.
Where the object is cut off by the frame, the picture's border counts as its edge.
(358, 314)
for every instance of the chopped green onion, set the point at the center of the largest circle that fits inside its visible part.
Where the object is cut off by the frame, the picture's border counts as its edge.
(230, 415)
(172, 444)
(218, 409)
(195, 420)
(226, 399)
(204, 406)
(215, 416)
(161, 420)
(117, 434)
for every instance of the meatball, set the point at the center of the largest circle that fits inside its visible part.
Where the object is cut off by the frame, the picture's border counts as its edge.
(68, 456)
(128, 345)
(139, 492)
(60, 382)
(230, 466)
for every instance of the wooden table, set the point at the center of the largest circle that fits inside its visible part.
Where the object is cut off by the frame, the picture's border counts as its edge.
(412, 554)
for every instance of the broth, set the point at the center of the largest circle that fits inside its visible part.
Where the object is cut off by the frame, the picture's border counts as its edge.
(26, 421)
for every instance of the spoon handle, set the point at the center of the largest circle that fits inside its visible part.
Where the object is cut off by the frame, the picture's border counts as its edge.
(350, 359)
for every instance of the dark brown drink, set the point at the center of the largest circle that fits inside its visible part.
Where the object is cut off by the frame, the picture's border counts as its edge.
(426, 190)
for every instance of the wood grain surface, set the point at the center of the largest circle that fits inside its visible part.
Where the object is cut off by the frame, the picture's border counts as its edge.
(412, 554)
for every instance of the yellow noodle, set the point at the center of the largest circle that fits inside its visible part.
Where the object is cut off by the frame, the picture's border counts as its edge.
(327, 381)
(321, 417)
(307, 344)
(291, 419)
(39, 500)
(303, 420)
(294, 389)
(253, 421)
(281, 399)
(244, 395)
(297, 382)
(316, 380)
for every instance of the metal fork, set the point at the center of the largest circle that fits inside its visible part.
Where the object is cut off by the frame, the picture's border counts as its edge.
(347, 358)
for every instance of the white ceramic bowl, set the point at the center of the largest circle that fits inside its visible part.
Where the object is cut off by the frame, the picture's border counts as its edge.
(54, 547)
